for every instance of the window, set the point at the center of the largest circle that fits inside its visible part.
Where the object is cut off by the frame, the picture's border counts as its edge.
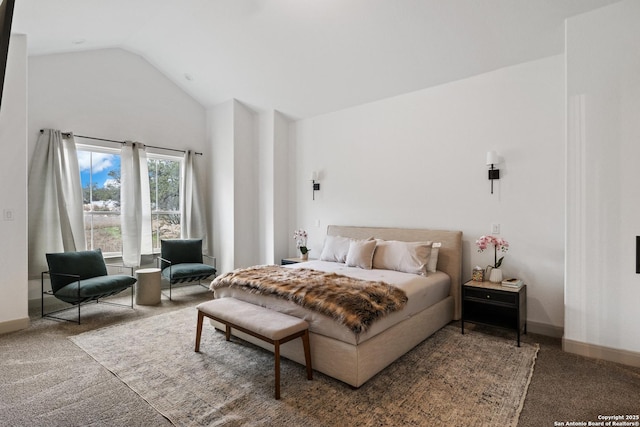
(100, 179)
(164, 186)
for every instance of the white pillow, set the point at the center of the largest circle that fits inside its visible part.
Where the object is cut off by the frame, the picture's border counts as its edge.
(335, 249)
(432, 265)
(361, 253)
(408, 257)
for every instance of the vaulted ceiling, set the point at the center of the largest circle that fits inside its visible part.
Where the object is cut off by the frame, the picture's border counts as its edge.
(305, 57)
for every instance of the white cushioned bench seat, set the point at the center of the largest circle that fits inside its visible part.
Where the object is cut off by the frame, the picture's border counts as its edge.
(268, 325)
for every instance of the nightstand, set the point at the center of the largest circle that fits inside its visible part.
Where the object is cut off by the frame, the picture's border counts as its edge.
(492, 304)
(285, 261)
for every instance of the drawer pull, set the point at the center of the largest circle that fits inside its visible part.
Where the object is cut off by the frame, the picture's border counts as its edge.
(488, 296)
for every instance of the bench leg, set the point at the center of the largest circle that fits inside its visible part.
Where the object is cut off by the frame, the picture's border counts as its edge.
(276, 351)
(199, 330)
(307, 354)
(276, 345)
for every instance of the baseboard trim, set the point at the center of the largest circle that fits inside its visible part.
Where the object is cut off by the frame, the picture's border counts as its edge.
(545, 329)
(14, 325)
(625, 357)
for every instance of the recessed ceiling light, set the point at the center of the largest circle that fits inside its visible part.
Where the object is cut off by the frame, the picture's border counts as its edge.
(78, 41)
(188, 77)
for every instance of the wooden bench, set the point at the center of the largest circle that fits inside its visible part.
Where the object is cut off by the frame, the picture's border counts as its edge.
(268, 325)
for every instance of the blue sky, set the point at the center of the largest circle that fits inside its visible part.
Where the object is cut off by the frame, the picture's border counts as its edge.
(103, 163)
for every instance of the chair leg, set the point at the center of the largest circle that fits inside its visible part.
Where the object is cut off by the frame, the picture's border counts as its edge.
(42, 294)
(79, 303)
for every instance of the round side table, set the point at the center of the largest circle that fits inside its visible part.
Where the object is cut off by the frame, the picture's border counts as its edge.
(148, 286)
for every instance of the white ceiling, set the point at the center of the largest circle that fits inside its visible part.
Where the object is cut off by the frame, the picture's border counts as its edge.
(305, 57)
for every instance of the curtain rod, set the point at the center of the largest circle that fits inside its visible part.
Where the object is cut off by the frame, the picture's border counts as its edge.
(67, 134)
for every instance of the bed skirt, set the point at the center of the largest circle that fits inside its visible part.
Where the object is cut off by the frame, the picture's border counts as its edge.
(355, 364)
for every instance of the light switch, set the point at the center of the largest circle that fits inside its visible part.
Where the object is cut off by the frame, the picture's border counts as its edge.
(7, 214)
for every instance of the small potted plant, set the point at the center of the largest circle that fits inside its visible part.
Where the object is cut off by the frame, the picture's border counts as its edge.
(300, 236)
(499, 244)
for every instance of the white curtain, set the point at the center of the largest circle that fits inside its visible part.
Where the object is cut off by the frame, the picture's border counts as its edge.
(56, 218)
(135, 204)
(194, 225)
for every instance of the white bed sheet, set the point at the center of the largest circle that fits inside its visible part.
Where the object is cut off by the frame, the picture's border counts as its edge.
(422, 292)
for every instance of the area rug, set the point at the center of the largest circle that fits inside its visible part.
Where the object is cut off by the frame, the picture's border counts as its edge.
(449, 379)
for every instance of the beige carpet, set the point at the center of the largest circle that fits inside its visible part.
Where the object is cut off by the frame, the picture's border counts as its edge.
(450, 379)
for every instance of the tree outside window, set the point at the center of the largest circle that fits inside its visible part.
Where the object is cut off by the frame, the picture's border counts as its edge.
(164, 186)
(100, 178)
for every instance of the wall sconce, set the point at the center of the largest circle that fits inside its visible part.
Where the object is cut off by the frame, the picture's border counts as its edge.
(316, 185)
(493, 159)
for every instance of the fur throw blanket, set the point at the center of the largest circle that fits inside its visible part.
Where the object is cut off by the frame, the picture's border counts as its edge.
(352, 302)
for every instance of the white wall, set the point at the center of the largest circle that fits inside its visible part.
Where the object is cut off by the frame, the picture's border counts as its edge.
(235, 202)
(246, 186)
(603, 207)
(220, 135)
(283, 235)
(13, 191)
(113, 94)
(273, 158)
(418, 160)
(266, 186)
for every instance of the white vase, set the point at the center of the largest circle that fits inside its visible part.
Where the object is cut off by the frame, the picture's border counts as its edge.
(495, 276)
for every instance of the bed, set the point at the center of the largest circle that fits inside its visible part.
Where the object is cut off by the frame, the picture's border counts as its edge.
(354, 358)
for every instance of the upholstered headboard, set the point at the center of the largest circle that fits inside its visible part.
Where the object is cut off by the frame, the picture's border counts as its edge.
(449, 256)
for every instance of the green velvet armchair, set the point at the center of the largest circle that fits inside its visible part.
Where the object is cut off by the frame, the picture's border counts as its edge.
(81, 277)
(182, 261)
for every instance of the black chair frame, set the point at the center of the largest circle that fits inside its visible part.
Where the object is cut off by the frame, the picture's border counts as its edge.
(159, 262)
(50, 314)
